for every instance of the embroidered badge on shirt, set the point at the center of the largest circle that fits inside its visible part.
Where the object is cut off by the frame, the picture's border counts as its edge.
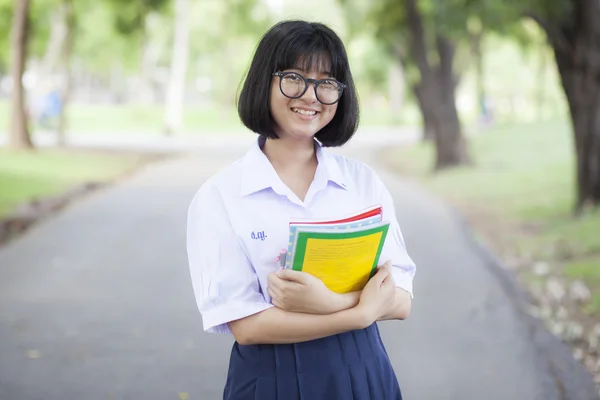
(258, 235)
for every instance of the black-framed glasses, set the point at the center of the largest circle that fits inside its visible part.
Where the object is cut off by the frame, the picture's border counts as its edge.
(293, 85)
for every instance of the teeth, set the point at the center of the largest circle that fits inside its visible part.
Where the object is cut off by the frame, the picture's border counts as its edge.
(303, 112)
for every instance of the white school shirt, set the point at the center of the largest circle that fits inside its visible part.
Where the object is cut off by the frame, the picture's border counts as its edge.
(238, 222)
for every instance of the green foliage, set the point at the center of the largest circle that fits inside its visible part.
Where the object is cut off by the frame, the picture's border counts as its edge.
(515, 186)
(25, 176)
(584, 269)
(6, 12)
(130, 15)
(456, 19)
(40, 13)
(370, 60)
(98, 46)
(508, 179)
(524, 179)
(246, 17)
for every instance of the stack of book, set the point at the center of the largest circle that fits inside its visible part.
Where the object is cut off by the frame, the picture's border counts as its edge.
(342, 252)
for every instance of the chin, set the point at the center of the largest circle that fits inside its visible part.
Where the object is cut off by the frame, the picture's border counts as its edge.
(303, 133)
(303, 129)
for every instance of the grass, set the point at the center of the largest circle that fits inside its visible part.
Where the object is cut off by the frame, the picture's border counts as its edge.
(26, 176)
(135, 119)
(148, 119)
(524, 177)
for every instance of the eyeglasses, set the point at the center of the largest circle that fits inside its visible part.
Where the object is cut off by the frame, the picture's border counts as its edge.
(293, 85)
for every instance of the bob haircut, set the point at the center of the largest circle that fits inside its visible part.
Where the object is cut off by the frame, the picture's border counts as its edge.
(308, 47)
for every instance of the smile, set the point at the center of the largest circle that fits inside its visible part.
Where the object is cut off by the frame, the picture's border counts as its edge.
(304, 112)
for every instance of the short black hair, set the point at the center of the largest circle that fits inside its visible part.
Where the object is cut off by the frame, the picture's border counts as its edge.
(291, 44)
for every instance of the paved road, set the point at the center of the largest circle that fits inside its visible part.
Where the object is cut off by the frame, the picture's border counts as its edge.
(96, 303)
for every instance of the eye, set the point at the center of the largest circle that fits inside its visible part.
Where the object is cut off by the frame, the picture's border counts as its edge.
(327, 84)
(292, 78)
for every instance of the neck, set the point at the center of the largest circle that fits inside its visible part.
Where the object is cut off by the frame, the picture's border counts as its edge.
(285, 154)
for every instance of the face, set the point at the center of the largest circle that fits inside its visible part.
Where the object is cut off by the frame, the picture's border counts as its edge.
(303, 117)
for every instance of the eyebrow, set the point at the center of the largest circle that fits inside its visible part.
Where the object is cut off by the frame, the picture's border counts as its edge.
(328, 73)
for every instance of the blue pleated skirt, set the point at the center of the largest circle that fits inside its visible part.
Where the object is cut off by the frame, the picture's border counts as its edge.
(349, 366)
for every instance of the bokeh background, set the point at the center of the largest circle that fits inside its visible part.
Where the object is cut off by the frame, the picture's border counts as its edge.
(498, 102)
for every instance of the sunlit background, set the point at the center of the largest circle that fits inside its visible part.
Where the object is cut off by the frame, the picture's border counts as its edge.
(119, 79)
(165, 75)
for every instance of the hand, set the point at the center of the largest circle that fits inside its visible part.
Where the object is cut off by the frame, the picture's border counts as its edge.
(300, 292)
(378, 294)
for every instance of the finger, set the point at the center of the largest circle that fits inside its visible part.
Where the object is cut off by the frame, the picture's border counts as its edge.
(389, 281)
(276, 303)
(277, 280)
(291, 275)
(387, 264)
(381, 275)
(272, 277)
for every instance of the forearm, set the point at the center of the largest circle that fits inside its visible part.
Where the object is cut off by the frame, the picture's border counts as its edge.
(277, 326)
(401, 306)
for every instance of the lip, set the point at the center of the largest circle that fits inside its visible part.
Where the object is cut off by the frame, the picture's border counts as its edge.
(305, 117)
(305, 109)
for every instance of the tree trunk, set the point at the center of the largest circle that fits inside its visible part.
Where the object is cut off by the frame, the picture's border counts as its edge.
(19, 132)
(396, 87)
(426, 113)
(66, 52)
(451, 145)
(576, 45)
(437, 90)
(176, 88)
(582, 89)
(149, 61)
(482, 111)
(540, 100)
(58, 33)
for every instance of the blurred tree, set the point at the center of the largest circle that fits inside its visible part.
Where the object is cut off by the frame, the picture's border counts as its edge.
(54, 23)
(135, 21)
(130, 16)
(6, 14)
(414, 34)
(19, 130)
(67, 16)
(176, 87)
(430, 46)
(436, 40)
(573, 30)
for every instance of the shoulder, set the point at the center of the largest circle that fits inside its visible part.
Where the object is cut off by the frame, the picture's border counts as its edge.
(222, 185)
(355, 171)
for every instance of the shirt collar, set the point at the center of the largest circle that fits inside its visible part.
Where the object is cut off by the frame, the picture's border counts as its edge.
(259, 174)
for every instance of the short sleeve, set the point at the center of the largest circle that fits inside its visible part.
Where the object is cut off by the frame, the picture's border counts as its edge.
(224, 281)
(394, 248)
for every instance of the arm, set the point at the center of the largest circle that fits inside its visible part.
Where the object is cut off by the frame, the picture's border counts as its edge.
(398, 309)
(401, 306)
(275, 326)
(300, 292)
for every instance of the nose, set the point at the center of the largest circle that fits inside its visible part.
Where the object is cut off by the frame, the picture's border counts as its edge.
(311, 92)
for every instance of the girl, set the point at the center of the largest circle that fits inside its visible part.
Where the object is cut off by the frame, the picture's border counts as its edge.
(294, 338)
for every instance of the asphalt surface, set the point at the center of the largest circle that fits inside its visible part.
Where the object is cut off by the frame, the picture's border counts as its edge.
(96, 303)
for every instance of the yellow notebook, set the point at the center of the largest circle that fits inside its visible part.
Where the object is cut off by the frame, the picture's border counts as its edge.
(342, 253)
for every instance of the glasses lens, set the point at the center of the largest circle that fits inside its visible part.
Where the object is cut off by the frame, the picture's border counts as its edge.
(328, 91)
(292, 85)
